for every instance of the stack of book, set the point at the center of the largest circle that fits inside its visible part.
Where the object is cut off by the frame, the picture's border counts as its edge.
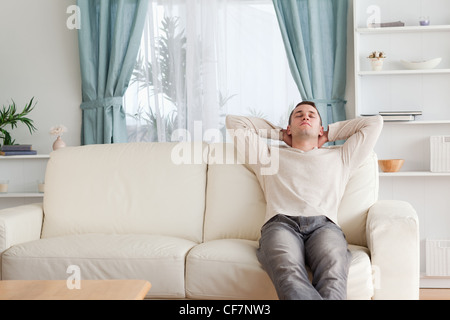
(400, 115)
(397, 115)
(17, 150)
(387, 24)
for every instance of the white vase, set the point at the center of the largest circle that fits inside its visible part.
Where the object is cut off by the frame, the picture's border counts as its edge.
(58, 144)
(377, 64)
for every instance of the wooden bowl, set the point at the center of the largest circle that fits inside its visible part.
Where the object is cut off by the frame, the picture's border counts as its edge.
(390, 165)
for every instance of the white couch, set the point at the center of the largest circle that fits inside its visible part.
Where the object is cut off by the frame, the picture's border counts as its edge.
(133, 211)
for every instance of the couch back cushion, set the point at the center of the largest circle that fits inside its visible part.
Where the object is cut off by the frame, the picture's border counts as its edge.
(126, 188)
(235, 203)
(360, 194)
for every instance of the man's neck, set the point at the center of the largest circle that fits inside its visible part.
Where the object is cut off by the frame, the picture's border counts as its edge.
(304, 145)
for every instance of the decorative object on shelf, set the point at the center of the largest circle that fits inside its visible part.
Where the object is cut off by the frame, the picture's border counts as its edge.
(58, 131)
(424, 21)
(10, 117)
(421, 65)
(437, 263)
(377, 58)
(4, 186)
(440, 153)
(391, 165)
(41, 186)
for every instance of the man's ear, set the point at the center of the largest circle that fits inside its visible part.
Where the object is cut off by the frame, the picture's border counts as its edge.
(288, 130)
(321, 132)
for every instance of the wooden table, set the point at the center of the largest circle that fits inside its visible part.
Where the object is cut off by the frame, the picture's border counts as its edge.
(58, 290)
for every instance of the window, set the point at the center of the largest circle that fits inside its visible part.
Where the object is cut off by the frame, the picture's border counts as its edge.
(202, 61)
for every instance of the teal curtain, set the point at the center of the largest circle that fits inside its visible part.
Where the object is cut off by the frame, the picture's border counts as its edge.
(109, 40)
(315, 37)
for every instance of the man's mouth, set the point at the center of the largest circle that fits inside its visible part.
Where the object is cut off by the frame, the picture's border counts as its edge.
(305, 123)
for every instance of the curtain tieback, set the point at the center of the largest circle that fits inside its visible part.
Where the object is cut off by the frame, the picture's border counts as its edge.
(102, 103)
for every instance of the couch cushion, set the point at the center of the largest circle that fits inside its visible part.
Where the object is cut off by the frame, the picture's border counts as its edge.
(133, 188)
(229, 269)
(158, 259)
(360, 194)
(235, 203)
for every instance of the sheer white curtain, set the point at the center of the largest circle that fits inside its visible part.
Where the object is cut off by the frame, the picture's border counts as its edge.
(203, 59)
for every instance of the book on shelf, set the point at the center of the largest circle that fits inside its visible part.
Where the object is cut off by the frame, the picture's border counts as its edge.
(17, 150)
(397, 115)
(18, 153)
(400, 113)
(398, 118)
(387, 24)
(17, 147)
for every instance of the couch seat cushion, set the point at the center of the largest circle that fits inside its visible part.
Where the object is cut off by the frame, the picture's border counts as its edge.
(158, 259)
(229, 269)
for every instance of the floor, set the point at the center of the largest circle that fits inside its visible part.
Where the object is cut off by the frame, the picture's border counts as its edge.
(434, 294)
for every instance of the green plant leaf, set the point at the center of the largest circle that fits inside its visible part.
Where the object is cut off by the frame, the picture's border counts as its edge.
(10, 117)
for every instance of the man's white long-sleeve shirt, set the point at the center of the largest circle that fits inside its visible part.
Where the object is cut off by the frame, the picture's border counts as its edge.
(298, 183)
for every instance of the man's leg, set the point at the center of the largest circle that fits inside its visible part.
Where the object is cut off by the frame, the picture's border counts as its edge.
(281, 254)
(329, 258)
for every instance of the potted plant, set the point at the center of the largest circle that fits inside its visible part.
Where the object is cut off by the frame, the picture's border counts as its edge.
(377, 58)
(10, 117)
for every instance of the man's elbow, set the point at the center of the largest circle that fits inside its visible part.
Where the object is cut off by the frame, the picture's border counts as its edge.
(234, 122)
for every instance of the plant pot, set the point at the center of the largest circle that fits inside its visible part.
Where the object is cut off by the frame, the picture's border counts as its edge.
(377, 64)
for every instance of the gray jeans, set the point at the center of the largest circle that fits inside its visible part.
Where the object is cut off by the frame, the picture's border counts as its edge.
(288, 244)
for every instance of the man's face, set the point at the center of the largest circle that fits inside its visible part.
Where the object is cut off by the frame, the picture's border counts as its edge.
(305, 121)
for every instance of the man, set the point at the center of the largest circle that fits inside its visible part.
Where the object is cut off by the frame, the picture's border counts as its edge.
(303, 197)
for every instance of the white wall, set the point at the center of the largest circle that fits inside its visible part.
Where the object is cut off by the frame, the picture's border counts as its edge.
(39, 57)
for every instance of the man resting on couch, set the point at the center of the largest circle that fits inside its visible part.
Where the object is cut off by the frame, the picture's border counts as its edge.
(303, 196)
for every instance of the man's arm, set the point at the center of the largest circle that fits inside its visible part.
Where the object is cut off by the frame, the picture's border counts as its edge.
(361, 135)
(261, 127)
(247, 133)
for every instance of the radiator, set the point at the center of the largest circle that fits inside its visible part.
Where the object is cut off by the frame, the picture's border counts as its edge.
(437, 257)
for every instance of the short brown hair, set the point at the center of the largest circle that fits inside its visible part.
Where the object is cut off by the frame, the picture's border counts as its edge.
(310, 103)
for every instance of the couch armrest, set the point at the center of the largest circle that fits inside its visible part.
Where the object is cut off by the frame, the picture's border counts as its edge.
(393, 239)
(20, 224)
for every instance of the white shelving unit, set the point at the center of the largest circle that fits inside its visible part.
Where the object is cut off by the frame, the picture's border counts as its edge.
(414, 174)
(403, 72)
(395, 89)
(405, 29)
(23, 172)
